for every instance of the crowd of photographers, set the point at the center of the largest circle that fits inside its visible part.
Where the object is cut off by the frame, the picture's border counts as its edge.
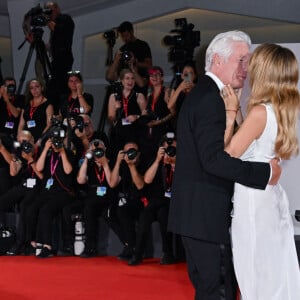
(54, 164)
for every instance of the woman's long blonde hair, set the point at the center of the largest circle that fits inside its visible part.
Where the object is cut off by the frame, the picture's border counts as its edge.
(273, 76)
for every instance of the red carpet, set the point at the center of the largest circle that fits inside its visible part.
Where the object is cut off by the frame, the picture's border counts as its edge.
(64, 278)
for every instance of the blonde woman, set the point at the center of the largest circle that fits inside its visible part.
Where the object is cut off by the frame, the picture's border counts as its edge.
(265, 258)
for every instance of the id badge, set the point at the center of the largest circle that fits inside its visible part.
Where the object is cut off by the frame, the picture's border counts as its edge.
(31, 182)
(125, 122)
(31, 123)
(9, 125)
(49, 183)
(101, 191)
(168, 194)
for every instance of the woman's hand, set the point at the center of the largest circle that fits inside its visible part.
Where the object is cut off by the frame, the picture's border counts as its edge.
(230, 98)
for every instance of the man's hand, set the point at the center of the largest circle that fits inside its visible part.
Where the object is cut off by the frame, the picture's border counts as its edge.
(276, 171)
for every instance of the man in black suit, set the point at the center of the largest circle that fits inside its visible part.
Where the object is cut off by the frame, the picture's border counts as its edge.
(203, 181)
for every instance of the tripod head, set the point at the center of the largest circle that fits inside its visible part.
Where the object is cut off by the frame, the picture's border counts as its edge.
(37, 33)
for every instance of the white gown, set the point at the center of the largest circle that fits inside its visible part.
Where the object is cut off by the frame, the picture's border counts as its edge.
(264, 251)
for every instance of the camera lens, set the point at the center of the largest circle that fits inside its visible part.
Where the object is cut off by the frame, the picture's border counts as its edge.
(171, 151)
(98, 152)
(26, 147)
(57, 142)
(131, 153)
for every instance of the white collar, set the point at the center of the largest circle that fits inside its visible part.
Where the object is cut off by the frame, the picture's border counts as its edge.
(218, 82)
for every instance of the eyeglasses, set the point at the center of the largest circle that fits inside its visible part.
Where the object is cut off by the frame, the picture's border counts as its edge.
(75, 72)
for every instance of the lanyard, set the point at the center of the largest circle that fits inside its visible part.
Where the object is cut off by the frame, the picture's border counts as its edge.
(32, 110)
(100, 178)
(169, 175)
(53, 165)
(125, 105)
(71, 104)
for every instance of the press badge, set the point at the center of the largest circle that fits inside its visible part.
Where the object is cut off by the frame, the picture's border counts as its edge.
(168, 194)
(49, 183)
(125, 121)
(31, 123)
(101, 191)
(9, 125)
(30, 182)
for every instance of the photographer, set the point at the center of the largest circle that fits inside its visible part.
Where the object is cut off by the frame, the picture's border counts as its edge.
(124, 110)
(10, 107)
(156, 203)
(127, 178)
(28, 179)
(135, 54)
(94, 178)
(37, 112)
(56, 163)
(61, 40)
(76, 100)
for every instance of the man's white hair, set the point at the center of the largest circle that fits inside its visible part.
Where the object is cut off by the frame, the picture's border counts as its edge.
(222, 45)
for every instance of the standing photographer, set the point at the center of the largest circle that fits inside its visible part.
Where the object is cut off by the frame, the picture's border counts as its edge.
(135, 54)
(10, 107)
(61, 40)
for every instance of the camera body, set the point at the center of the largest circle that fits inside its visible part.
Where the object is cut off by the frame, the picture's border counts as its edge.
(125, 57)
(182, 44)
(79, 122)
(11, 89)
(57, 135)
(39, 16)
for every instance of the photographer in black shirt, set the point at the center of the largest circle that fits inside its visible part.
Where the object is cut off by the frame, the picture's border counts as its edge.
(135, 54)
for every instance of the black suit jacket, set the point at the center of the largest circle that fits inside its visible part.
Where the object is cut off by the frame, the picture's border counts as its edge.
(203, 181)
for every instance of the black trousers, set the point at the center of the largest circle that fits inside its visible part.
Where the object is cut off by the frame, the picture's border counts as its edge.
(41, 212)
(210, 269)
(22, 196)
(158, 209)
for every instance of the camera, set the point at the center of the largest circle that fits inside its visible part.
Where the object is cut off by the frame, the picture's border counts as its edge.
(131, 153)
(117, 89)
(125, 57)
(39, 16)
(24, 146)
(11, 89)
(79, 122)
(183, 43)
(57, 135)
(110, 35)
(98, 153)
(171, 151)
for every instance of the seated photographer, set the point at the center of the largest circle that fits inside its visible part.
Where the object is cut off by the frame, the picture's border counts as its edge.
(10, 107)
(37, 112)
(82, 133)
(127, 178)
(123, 112)
(76, 101)
(95, 176)
(135, 54)
(56, 163)
(157, 200)
(23, 169)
